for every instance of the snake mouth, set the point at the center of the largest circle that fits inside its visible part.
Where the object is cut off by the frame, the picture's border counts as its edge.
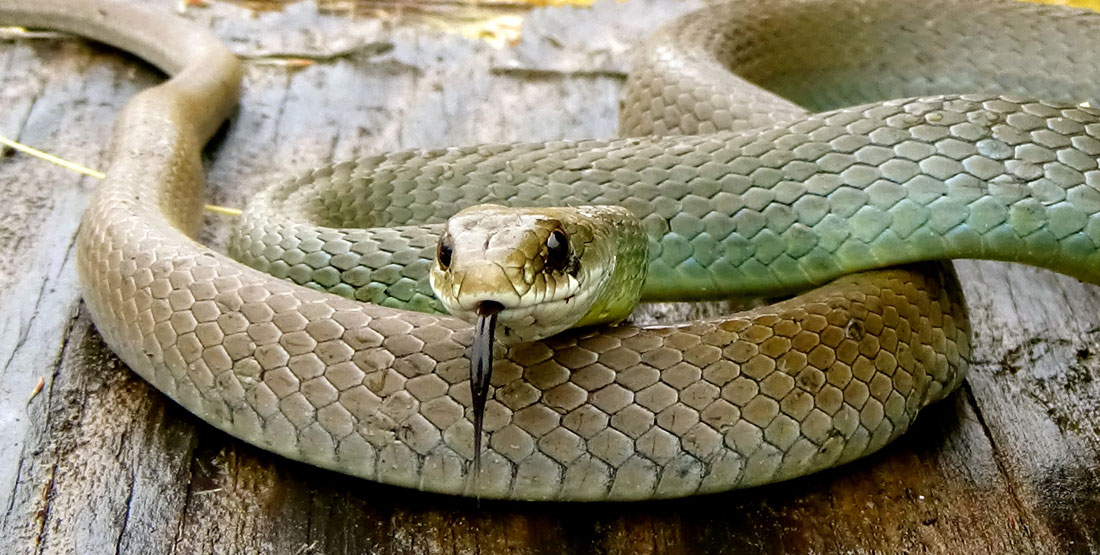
(535, 313)
(481, 368)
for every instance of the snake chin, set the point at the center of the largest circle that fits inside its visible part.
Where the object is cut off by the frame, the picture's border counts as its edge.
(531, 323)
(527, 318)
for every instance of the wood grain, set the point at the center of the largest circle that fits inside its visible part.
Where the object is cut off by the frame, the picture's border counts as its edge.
(99, 462)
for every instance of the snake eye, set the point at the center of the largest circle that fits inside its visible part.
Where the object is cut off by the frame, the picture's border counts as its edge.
(444, 250)
(557, 249)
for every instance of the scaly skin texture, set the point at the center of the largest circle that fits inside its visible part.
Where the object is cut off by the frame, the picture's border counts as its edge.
(627, 412)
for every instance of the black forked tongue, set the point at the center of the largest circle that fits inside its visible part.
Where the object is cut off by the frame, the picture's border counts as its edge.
(481, 369)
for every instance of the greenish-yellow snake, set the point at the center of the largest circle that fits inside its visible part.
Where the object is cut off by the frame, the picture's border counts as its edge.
(987, 153)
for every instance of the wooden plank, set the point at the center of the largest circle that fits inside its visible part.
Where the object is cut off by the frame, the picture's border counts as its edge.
(101, 462)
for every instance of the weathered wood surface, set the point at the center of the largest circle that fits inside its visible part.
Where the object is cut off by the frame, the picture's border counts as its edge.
(100, 462)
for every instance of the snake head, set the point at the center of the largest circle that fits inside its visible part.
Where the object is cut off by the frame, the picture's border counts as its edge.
(534, 272)
(545, 269)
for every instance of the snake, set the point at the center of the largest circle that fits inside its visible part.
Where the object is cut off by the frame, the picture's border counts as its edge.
(833, 151)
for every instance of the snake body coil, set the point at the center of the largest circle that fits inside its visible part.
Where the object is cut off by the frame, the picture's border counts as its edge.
(766, 198)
